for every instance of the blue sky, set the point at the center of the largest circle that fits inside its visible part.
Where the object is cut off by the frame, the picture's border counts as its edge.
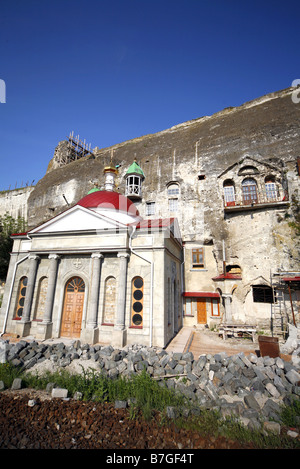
(119, 69)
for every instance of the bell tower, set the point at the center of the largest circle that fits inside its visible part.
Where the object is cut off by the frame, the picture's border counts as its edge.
(134, 178)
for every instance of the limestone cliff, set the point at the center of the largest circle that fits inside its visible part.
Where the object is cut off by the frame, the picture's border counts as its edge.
(194, 154)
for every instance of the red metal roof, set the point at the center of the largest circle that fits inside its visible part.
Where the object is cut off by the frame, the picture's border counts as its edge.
(228, 277)
(201, 294)
(291, 279)
(19, 234)
(155, 223)
(107, 199)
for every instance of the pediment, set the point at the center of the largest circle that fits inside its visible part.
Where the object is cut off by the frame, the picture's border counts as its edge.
(260, 281)
(253, 164)
(77, 219)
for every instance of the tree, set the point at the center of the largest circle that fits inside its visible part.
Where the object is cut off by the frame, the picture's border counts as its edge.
(8, 226)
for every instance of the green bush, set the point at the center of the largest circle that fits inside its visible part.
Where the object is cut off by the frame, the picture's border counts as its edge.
(290, 414)
(8, 373)
(147, 395)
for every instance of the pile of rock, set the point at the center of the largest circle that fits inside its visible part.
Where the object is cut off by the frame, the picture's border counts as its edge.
(292, 345)
(250, 387)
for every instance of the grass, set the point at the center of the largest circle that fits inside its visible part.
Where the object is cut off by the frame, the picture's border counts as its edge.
(146, 395)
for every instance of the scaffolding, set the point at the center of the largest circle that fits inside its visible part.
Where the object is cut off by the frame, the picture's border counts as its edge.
(283, 283)
(75, 149)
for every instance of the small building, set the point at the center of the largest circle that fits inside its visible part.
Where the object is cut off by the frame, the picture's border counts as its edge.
(96, 272)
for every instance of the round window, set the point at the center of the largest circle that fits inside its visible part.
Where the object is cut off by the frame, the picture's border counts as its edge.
(138, 295)
(137, 307)
(137, 319)
(138, 282)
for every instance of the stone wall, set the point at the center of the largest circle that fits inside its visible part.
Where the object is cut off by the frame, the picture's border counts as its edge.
(15, 202)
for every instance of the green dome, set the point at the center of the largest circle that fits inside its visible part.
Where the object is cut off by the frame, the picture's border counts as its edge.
(95, 189)
(135, 169)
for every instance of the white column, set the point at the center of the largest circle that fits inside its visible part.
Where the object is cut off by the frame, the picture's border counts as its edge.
(54, 258)
(93, 312)
(119, 332)
(34, 259)
(121, 301)
(228, 312)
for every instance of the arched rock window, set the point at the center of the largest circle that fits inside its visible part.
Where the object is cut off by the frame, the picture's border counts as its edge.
(173, 194)
(173, 189)
(249, 189)
(229, 192)
(271, 189)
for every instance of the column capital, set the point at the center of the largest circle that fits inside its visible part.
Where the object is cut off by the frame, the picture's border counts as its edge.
(97, 255)
(123, 254)
(53, 256)
(35, 257)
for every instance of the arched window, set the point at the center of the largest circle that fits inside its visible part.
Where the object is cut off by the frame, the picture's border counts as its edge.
(173, 193)
(271, 189)
(173, 189)
(229, 192)
(21, 297)
(109, 308)
(41, 299)
(249, 189)
(137, 302)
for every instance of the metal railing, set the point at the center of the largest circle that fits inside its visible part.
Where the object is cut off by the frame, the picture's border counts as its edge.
(255, 198)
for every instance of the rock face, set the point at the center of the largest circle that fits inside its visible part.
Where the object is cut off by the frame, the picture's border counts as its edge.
(266, 129)
(205, 160)
(249, 387)
(260, 139)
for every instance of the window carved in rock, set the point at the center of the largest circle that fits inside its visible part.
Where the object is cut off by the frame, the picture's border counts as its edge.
(271, 188)
(249, 191)
(173, 205)
(229, 192)
(198, 258)
(150, 208)
(173, 194)
(250, 187)
(262, 294)
(173, 189)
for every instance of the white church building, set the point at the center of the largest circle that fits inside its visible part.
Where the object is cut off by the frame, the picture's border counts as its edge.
(97, 272)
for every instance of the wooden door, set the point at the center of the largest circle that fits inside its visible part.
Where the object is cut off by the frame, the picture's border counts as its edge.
(201, 311)
(73, 308)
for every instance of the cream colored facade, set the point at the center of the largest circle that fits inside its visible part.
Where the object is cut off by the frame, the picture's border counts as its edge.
(106, 261)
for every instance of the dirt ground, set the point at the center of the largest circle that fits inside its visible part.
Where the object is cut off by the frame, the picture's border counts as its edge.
(208, 342)
(59, 424)
(70, 424)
